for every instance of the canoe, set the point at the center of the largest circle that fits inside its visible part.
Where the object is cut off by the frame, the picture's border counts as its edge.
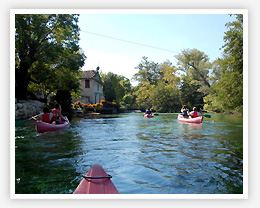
(190, 120)
(44, 127)
(148, 115)
(96, 181)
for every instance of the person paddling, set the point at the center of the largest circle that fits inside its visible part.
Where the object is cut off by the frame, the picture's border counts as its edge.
(194, 113)
(185, 111)
(148, 111)
(46, 116)
(57, 117)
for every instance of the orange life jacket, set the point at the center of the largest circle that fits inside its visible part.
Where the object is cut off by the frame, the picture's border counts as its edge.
(46, 118)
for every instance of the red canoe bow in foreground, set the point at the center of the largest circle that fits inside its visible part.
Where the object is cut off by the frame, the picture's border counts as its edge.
(96, 181)
(190, 120)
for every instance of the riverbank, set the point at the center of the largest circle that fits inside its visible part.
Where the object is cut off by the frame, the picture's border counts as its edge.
(27, 108)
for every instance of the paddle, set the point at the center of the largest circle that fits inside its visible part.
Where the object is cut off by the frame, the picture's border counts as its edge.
(69, 122)
(72, 125)
(207, 116)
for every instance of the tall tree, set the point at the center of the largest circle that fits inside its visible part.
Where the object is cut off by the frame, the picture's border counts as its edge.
(116, 87)
(233, 47)
(143, 93)
(190, 94)
(148, 72)
(165, 96)
(48, 56)
(148, 76)
(169, 73)
(196, 65)
(227, 90)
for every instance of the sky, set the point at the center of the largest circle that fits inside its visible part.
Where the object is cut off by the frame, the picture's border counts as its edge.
(117, 42)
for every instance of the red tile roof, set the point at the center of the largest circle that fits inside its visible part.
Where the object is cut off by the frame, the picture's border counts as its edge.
(89, 74)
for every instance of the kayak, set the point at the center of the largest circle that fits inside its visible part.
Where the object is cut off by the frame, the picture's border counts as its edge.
(44, 127)
(190, 120)
(96, 181)
(148, 115)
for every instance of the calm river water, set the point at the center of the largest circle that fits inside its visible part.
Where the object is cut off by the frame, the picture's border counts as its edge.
(144, 155)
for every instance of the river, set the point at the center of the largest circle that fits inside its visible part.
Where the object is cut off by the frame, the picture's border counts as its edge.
(144, 155)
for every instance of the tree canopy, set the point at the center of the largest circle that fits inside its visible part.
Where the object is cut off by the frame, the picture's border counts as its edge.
(47, 53)
(157, 87)
(117, 89)
(48, 58)
(195, 81)
(227, 90)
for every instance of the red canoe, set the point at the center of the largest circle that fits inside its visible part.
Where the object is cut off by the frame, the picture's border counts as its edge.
(96, 181)
(190, 120)
(148, 115)
(44, 127)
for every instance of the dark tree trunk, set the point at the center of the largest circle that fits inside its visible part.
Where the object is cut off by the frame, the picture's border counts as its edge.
(21, 81)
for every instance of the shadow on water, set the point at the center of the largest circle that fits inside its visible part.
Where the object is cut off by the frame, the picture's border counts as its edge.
(145, 156)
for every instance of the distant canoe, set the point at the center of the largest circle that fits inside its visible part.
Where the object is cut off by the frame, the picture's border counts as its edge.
(148, 115)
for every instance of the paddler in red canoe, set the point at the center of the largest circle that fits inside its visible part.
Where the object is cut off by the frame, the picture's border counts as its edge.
(46, 116)
(57, 117)
(185, 111)
(194, 113)
(148, 111)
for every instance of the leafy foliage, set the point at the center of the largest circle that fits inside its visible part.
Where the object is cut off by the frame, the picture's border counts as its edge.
(233, 48)
(158, 91)
(218, 85)
(165, 98)
(190, 94)
(227, 90)
(148, 72)
(143, 93)
(48, 56)
(118, 89)
(196, 65)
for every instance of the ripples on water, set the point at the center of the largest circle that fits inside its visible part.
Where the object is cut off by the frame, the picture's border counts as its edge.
(145, 156)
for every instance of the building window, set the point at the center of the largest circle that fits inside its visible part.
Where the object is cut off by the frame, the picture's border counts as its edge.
(86, 83)
(98, 87)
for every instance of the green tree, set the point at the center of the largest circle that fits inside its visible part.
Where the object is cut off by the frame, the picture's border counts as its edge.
(47, 53)
(116, 88)
(128, 102)
(143, 93)
(148, 72)
(190, 94)
(233, 47)
(169, 73)
(165, 96)
(227, 90)
(148, 76)
(196, 65)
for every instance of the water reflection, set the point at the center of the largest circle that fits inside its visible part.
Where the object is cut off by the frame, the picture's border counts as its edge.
(190, 125)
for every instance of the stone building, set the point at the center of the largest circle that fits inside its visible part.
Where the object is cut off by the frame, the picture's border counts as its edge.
(91, 86)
